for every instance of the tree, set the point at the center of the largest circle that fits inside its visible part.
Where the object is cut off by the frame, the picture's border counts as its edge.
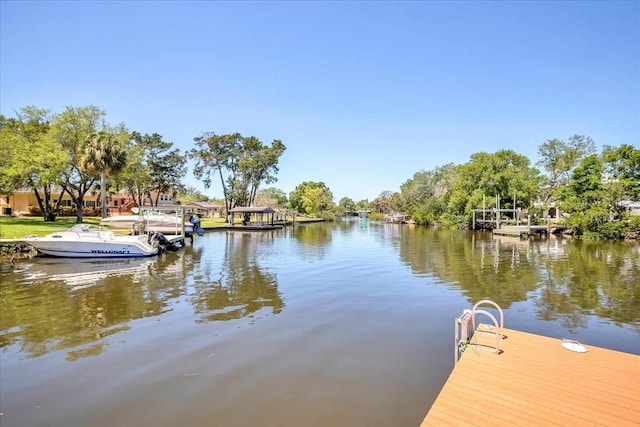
(311, 197)
(72, 130)
(385, 203)
(259, 164)
(347, 204)
(136, 176)
(316, 200)
(622, 166)
(363, 204)
(583, 196)
(154, 168)
(426, 195)
(167, 167)
(504, 174)
(103, 154)
(31, 158)
(271, 196)
(586, 180)
(9, 180)
(242, 164)
(558, 158)
(191, 194)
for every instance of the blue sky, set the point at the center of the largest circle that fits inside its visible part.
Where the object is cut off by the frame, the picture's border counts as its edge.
(363, 94)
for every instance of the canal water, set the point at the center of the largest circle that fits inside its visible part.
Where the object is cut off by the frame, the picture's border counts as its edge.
(339, 324)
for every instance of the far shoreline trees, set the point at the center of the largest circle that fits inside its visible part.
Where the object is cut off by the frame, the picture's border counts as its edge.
(311, 197)
(77, 151)
(241, 163)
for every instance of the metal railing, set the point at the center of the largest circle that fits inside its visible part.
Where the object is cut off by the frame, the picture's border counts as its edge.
(466, 326)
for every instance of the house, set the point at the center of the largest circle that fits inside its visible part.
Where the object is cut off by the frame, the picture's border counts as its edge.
(206, 209)
(550, 210)
(631, 206)
(123, 202)
(23, 202)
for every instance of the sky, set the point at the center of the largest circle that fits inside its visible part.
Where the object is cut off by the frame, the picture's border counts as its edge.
(363, 94)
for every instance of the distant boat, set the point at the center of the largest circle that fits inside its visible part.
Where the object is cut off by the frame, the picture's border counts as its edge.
(149, 220)
(91, 241)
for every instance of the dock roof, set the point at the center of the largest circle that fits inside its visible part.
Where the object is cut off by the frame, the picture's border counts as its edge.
(252, 209)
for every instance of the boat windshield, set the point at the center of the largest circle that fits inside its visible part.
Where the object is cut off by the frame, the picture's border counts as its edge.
(85, 228)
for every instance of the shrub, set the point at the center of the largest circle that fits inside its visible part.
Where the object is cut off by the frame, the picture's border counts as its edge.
(376, 216)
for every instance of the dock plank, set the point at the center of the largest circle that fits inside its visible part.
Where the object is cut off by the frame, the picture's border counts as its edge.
(536, 381)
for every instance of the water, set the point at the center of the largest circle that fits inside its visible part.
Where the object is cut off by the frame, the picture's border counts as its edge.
(343, 324)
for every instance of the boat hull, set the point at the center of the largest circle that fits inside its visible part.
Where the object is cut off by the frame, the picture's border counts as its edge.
(93, 250)
(84, 241)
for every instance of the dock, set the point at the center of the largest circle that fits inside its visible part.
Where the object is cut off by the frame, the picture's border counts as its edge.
(535, 380)
(522, 230)
(179, 239)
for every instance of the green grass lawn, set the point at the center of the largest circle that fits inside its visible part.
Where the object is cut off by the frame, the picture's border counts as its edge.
(212, 222)
(11, 228)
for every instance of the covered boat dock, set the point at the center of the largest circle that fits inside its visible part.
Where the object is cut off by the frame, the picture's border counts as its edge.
(254, 218)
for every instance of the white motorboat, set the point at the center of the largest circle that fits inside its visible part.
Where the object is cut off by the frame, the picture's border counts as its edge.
(91, 241)
(149, 220)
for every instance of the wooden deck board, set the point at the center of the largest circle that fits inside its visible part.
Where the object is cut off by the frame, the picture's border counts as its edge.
(536, 381)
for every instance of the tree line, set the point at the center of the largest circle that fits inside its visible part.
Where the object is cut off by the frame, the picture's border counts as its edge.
(77, 151)
(592, 189)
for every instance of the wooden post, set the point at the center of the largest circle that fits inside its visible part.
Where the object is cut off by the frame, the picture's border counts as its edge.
(497, 212)
(182, 211)
(484, 217)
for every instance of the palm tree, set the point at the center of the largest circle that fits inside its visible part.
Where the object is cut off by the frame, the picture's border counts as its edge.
(103, 154)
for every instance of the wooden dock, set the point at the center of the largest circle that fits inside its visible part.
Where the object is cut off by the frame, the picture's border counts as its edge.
(522, 230)
(537, 381)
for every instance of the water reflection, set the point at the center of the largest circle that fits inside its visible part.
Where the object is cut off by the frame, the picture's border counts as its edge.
(192, 336)
(80, 273)
(593, 278)
(51, 304)
(78, 306)
(314, 239)
(241, 287)
(565, 280)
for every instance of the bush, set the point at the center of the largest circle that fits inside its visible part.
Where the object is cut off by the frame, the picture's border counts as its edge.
(376, 216)
(610, 230)
(588, 222)
(450, 220)
(326, 215)
(594, 224)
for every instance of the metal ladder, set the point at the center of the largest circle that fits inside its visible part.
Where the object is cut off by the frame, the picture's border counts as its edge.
(466, 326)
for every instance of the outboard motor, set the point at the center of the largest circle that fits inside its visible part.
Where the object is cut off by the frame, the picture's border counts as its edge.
(196, 225)
(158, 239)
